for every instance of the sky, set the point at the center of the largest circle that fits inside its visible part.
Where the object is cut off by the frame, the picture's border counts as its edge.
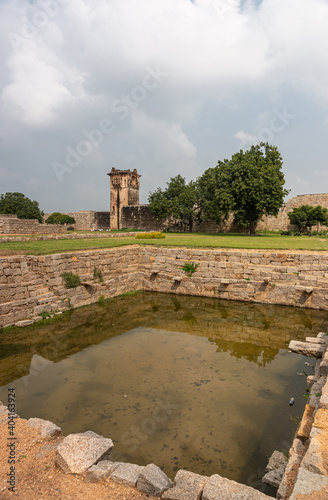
(164, 86)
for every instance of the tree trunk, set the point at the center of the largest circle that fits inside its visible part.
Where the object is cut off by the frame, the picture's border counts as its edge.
(190, 225)
(252, 228)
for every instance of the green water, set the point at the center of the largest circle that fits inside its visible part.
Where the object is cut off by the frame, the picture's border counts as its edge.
(183, 382)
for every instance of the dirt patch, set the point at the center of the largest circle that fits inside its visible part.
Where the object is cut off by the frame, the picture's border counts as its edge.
(37, 477)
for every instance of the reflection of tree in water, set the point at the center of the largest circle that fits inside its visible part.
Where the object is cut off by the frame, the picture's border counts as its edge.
(242, 350)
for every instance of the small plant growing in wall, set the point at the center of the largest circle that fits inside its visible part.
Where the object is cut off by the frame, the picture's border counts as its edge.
(71, 280)
(45, 315)
(97, 275)
(189, 268)
(101, 300)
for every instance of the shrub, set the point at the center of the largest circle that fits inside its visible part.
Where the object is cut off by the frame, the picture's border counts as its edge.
(152, 235)
(97, 275)
(58, 218)
(71, 280)
(189, 268)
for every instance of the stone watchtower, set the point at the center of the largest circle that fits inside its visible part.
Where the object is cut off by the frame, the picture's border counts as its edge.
(124, 191)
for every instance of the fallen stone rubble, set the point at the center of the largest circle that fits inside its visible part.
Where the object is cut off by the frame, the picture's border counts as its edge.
(76, 452)
(305, 474)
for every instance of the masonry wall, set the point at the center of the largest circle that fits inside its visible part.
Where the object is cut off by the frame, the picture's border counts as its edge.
(140, 217)
(10, 224)
(87, 220)
(32, 284)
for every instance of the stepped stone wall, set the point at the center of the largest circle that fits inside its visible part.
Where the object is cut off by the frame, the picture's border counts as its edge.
(10, 224)
(30, 285)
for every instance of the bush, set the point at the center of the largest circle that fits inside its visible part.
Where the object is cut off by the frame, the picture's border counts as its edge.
(58, 218)
(97, 275)
(189, 268)
(71, 280)
(153, 235)
(306, 216)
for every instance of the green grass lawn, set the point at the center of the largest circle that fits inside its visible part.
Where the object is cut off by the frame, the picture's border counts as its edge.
(266, 241)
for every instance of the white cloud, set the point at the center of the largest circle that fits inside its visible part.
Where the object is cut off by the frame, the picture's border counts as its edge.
(170, 135)
(230, 68)
(245, 138)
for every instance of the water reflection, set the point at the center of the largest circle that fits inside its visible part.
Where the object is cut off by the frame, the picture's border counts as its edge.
(185, 382)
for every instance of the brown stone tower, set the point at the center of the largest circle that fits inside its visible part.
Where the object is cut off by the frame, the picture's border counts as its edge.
(124, 191)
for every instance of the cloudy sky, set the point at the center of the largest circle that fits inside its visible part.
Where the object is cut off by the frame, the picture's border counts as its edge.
(164, 86)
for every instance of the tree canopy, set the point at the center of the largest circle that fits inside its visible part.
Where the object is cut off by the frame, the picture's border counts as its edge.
(18, 204)
(58, 218)
(178, 200)
(250, 185)
(306, 216)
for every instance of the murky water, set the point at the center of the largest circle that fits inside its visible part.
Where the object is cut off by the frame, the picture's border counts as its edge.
(184, 382)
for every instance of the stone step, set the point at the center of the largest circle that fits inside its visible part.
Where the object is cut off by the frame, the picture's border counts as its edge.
(46, 300)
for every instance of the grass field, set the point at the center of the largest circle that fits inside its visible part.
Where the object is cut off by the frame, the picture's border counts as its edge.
(266, 241)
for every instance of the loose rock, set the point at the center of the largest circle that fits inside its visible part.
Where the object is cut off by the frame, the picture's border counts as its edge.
(188, 486)
(78, 452)
(46, 428)
(101, 471)
(309, 349)
(153, 481)
(220, 488)
(127, 474)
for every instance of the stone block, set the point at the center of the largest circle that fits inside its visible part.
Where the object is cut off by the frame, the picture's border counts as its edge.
(276, 461)
(25, 322)
(153, 481)
(46, 428)
(127, 474)
(304, 430)
(323, 403)
(188, 486)
(220, 488)
(310, 485)
(314, 350)
(315, 340)
(324, 365)
(101, 471)
(78, 452)
(316, 457)
(316, 391)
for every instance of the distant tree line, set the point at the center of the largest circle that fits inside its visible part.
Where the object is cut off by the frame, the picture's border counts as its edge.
(249, 185)
(18, 204)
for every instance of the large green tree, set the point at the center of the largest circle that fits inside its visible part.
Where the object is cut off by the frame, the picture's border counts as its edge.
(178, 200)
(18, 204)
(250, 185)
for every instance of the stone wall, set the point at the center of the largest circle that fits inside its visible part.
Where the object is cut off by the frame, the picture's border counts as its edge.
(32, 284)
(87, 220)
(140, 217)
(10, 224)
